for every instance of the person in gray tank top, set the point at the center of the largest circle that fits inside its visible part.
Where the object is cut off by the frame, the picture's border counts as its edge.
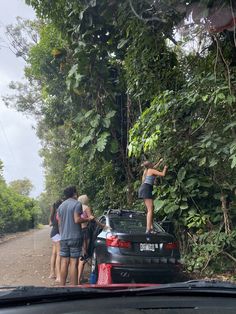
(146, 188)
(69, 215)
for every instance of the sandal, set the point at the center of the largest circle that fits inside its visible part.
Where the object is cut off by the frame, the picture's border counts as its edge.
(151, 232)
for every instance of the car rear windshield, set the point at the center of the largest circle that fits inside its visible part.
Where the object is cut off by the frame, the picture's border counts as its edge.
(131, 224)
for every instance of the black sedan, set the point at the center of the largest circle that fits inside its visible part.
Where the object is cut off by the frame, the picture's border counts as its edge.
(125, 253)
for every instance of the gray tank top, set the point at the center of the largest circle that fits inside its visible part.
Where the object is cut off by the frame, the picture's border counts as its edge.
(150, 180)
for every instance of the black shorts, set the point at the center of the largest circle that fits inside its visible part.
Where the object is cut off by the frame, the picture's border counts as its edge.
(71, 248)
(145, 191)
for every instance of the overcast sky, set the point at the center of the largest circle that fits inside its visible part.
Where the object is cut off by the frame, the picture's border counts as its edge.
(19, 145)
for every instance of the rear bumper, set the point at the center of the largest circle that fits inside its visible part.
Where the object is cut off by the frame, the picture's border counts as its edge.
(144, 274)
(140, 269)
(115, 257)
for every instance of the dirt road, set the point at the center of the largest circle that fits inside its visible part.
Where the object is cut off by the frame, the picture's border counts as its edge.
(25, 259)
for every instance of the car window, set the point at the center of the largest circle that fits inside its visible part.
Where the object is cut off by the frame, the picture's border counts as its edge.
(131, 225)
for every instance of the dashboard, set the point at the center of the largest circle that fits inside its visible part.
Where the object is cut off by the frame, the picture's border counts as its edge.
(128, 305)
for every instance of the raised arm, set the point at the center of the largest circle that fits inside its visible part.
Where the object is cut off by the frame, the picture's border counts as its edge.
(158, 163)
(154, 172)
(78, 219)
(89, 213)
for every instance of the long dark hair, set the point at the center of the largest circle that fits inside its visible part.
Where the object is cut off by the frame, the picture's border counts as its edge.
(54, 209)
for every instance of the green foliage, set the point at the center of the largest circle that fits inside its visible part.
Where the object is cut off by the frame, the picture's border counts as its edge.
(22, 187)
(104, 184)
(213, 251)
(150, 65)
(199, 163)
(92, 105)
(45, 201)
(194, 130)
(17, 212)
(94, 133)
(55, 147)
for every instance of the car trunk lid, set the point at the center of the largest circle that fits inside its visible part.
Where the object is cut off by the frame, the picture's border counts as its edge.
(141, 244)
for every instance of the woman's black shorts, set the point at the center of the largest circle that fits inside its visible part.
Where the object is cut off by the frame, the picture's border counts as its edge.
(145, 191)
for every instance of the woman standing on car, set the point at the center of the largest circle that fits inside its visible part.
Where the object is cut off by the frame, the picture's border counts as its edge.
(145, 190)
(55, 237)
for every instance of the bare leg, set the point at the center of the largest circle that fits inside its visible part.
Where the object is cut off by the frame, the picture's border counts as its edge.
(149, 206)
(58, 262)
(82, 263)
(53, 261)
(64, 269)
(80, 270)
(74, 271)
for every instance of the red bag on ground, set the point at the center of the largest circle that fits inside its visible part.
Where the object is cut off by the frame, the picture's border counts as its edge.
(104, 274)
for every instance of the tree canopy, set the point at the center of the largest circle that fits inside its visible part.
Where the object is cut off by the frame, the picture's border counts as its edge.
(22, 187)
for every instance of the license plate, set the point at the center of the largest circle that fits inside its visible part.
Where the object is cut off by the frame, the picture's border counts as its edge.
(147, 247)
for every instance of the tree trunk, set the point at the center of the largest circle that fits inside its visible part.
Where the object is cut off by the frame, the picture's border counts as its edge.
(226, 214)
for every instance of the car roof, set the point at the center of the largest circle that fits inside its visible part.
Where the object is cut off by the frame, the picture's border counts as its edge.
(123, 212)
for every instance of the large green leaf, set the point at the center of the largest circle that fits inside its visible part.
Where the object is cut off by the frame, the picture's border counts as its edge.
(122, 43)
(158, 204)
(114, 146)
(102, 141)
(191, 183)
(95, 121)
(85, 140)
(202, 161)
(184, 205)
(181, 174)
(107, 120)
(233, 164)
(171, 208)
(213, 162)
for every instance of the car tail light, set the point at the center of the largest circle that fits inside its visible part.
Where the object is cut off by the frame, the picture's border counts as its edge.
(116, 242)
(171, 245)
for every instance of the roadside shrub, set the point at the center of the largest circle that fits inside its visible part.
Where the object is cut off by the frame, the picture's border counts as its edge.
(17, 212)
(211, 252)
